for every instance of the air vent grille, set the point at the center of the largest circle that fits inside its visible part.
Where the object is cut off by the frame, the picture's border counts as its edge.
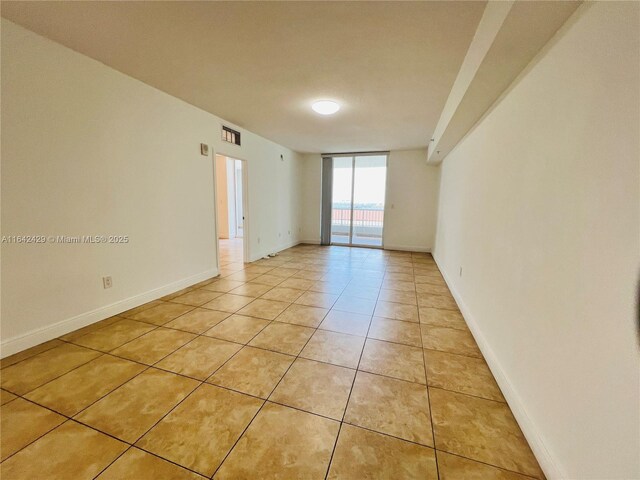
(230, 135)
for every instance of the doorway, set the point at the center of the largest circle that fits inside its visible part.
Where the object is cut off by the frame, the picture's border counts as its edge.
(357, 199)
(230, 209)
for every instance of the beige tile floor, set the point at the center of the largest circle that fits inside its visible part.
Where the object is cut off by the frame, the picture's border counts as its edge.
(323, 362)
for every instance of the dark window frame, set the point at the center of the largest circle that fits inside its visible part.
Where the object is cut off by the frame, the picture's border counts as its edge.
(230, 135)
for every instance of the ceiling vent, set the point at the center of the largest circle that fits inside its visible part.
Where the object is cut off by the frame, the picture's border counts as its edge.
(230, 135)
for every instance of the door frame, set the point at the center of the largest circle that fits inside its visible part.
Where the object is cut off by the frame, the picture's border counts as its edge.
(235, 193)
(245, 205)
(353, 179)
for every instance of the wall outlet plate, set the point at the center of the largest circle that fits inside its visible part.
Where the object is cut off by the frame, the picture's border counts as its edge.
(107, 282)
(204, 149)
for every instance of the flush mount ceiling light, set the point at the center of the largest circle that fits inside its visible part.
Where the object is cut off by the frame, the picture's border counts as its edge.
(325, 107)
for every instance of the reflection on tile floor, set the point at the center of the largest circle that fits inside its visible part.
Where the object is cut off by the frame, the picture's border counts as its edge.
(323, 362)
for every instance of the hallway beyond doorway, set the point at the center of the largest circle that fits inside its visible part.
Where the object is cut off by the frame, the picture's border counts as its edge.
(230, 211)
(230, 251)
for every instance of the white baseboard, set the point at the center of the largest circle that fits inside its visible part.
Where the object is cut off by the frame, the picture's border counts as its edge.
(549, 465)
(288, 245)
(37, 336)
(404, 248)
(407, 248)
(310, 242)
(280, 248)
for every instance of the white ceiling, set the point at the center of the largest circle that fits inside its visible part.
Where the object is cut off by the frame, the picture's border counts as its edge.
(260, 65)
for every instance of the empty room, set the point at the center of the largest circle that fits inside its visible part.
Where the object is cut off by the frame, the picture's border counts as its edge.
(305, 240)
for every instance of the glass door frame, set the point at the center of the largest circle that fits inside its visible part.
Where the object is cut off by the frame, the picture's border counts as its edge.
(353, 179)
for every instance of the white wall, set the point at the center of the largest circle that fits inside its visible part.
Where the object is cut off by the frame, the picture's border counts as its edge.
(310, 213)
(540, 207)
(410, 214)
(411, 200)
(87, 150)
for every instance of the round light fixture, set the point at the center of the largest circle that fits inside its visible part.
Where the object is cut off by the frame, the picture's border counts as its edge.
(325, 107)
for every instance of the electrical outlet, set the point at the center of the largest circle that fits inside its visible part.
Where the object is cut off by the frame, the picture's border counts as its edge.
(107, 282)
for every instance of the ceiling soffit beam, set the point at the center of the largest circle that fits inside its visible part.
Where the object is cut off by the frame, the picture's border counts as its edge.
(508, 37)
(494, 15)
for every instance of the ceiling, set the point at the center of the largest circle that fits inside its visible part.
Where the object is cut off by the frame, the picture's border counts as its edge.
(509, 37)
(260, 65)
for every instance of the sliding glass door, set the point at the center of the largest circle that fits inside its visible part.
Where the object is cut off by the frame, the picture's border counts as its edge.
(357, 203)
(370, 175)
(341, 200)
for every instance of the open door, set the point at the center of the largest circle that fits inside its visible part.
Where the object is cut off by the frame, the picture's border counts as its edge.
(230, 208)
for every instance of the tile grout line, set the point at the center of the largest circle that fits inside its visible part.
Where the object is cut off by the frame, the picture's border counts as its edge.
(264, 403)
(487, 464)
(68, 342)
(72, 418)
(353, 382)
(147, 367)
(27, 358)
(129, 447)
(136, 447)
(426, 377)
(264, 400)
(66, 419)
(101, 352)
(273, 390)
(201, 382)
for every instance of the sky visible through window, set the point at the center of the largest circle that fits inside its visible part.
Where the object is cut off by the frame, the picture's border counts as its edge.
(369, 185)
